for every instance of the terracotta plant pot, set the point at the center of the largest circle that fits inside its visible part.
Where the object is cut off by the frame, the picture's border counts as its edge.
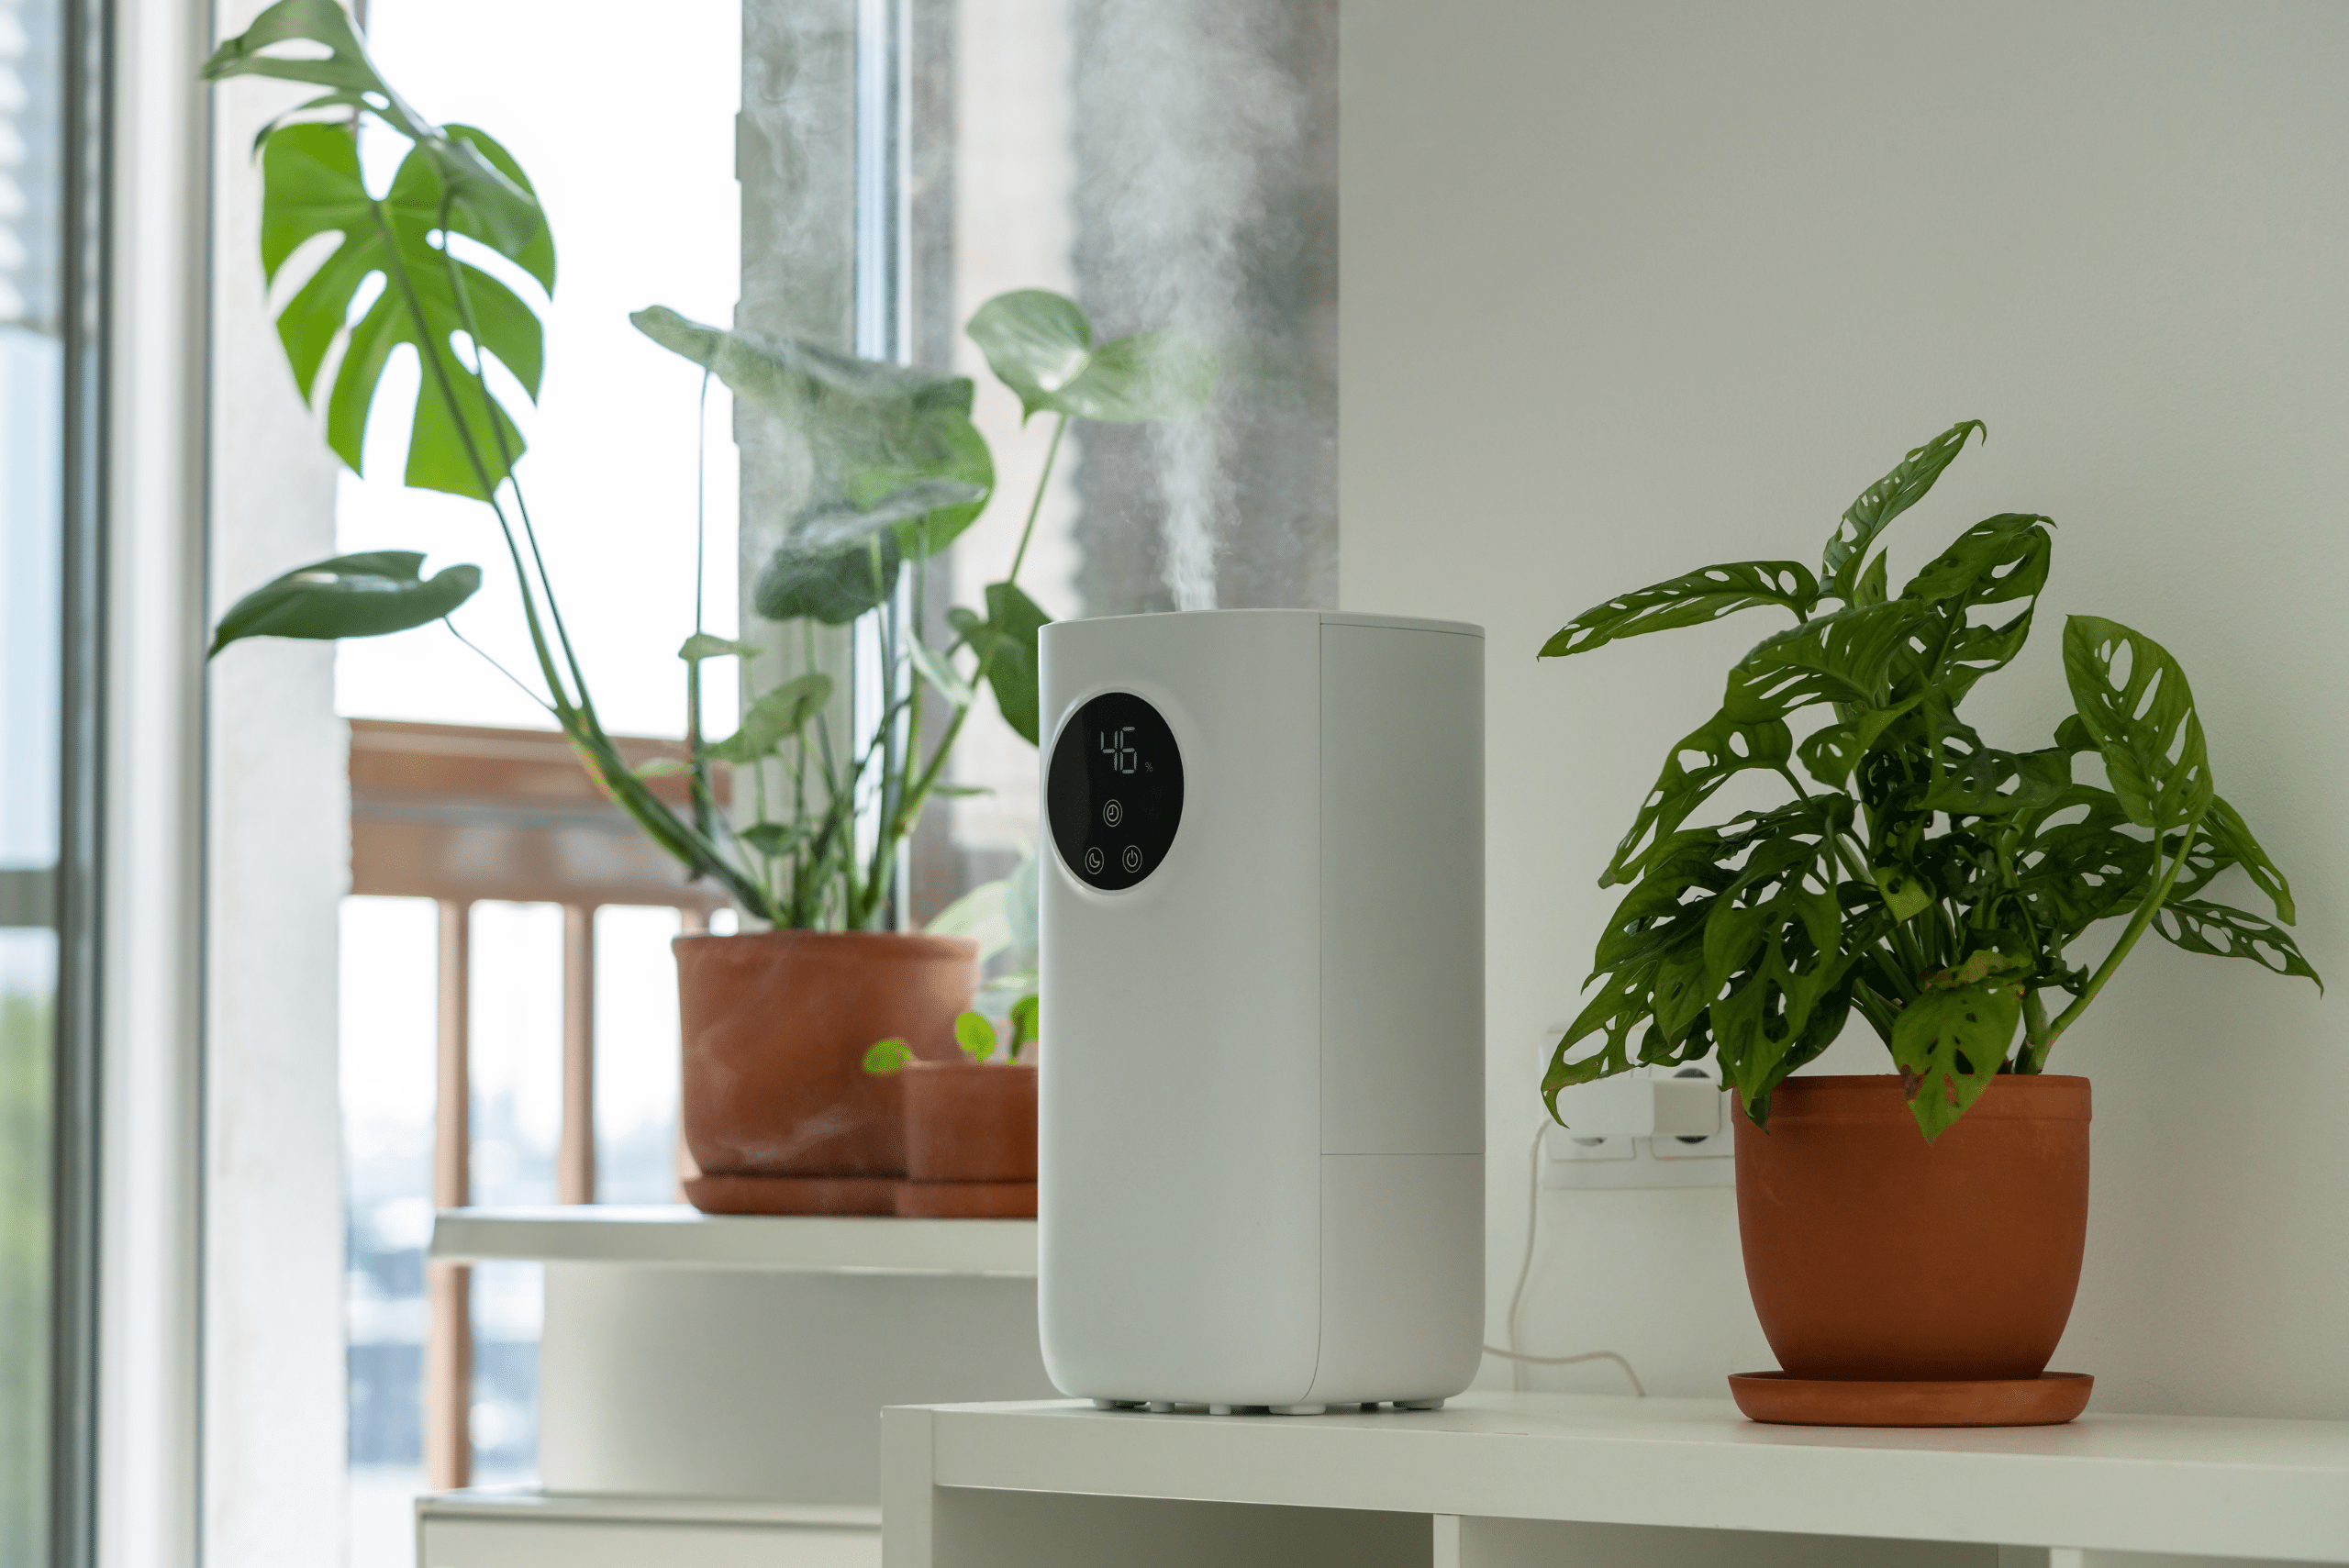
(970, 1139)
(779, 1112)
(1872, 1254)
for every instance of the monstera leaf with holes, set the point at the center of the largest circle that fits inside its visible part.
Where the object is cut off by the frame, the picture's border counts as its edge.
(1921, 876)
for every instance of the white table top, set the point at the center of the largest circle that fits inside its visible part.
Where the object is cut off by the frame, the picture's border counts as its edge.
(673, 1235)
(2216, 1486)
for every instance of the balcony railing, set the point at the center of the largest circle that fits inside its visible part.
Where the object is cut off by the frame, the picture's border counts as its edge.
(462, 815)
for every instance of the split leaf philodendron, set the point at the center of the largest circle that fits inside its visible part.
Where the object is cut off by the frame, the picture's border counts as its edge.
(1923, 877)
(894, 472)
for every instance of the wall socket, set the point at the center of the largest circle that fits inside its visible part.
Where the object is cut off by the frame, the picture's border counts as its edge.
(1687, 1159)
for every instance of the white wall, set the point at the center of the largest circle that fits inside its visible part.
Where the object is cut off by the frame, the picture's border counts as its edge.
(1633, 288)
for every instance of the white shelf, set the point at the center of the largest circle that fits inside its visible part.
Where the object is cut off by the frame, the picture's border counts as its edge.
(2199, 1487)
(676, 1236)
(532, 1505)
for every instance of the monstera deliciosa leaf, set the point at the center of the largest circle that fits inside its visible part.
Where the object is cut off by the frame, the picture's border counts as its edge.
(455, 181)
(1925, 879)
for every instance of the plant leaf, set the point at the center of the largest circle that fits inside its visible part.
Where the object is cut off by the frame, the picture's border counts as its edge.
(1024, 1026)
(1832, 751)
(824, 583)
(1689, 600)
(1845, 657)
(312, 187)
(702, 645)
(368, 595)
(1041, 346)
(1904, 892)
(870, 430)
(974, 1035)
(777, 714)
(663, 767)
(1012, 621)
(940, 673)
(1720, 750)
(2224, 932)
(2225, 832)
(886, 1056)
(2143, 722)
(1884, 500)
(1949, 1044)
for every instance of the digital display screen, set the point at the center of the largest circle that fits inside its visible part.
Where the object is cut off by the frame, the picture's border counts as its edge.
(1115, 793)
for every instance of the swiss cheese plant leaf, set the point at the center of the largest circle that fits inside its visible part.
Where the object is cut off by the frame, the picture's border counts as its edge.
(2132, 698)
(2224, 931)
(1839, 568)
(1041, 346)
(1833, 751)
(366, 594)
(1700, 763)
(873, 433)
(1844, 658)
(1949, 1044)
(1689, 600)
(1997, 561)
(777, 714)
(2224, 830)
(490, 199)
(1903, 890)
(1006, 638)
(461, 440)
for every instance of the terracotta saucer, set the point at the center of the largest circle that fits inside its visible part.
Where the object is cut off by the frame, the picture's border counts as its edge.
(967, 1200)
(2048, 1400)
(793, 1195)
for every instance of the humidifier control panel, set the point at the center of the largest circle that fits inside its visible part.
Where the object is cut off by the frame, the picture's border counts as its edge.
(1115, 793)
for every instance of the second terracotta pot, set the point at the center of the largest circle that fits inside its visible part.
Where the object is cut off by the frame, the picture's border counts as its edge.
(1873, 1254)
(774, 1028)
(970, 1139)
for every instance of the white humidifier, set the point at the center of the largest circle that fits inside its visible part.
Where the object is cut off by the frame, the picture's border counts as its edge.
(1262, 1073)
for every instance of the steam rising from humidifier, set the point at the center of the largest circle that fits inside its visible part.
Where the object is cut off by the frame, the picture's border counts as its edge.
(1262, 927)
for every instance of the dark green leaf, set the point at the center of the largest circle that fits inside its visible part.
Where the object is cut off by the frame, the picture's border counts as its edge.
(1884, 500)
(1832, 751)
(2226, 932)
(826, 583)
(366, 594)
(772, 839)
(1844, 658)
(2225, 832)
(1949, 1044)
(1700, 763)
(1699, 596)
(2143, 720)
(1006, 640)
(1041, 346)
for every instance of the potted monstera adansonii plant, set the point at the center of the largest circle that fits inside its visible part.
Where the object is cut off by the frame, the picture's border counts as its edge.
(1912, 1241)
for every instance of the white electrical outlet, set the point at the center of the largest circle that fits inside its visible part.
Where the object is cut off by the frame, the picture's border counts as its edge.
(1609, 1145)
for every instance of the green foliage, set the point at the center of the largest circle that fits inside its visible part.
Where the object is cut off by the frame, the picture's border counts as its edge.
(974, 1035)
(1926, 880)
(367, 595)
(895, 472)
(883, 1057)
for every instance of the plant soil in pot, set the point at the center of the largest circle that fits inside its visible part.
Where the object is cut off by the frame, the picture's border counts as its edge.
(1873, 1255)
(970, 1139)
(778, 1114)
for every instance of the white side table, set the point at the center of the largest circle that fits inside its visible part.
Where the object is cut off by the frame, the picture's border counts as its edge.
(721, 1376)
(1516, 1481)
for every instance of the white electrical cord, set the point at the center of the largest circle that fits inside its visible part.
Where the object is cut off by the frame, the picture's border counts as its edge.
(1516, 1360)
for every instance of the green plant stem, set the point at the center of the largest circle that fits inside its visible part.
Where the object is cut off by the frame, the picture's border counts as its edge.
(928, 780)
(2151, 905)
(1903, 943)
(2034, 1031)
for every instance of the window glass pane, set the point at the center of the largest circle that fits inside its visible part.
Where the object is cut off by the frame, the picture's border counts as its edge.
(31, 519)
(636, 1056)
